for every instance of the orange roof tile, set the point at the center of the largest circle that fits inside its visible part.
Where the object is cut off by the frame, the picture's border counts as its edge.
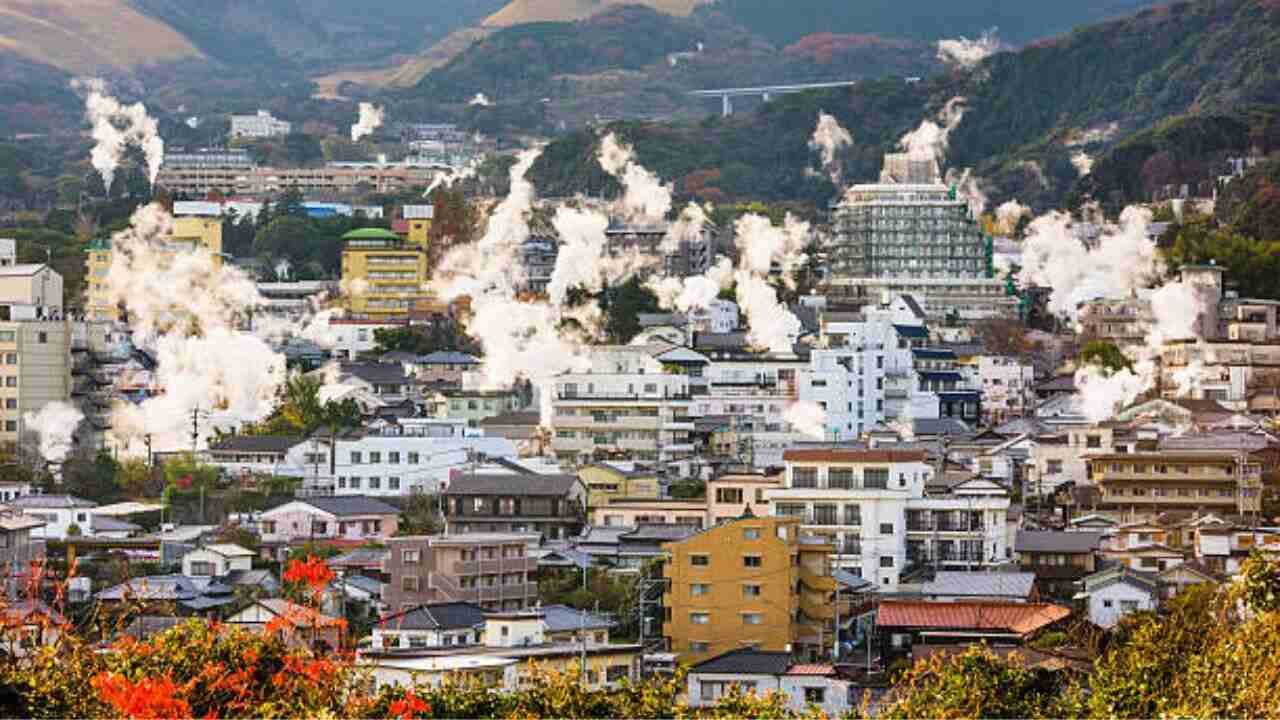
(1019, 618)
(811, 670)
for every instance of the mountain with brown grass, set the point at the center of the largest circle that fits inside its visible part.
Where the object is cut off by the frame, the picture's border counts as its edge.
(88, 36)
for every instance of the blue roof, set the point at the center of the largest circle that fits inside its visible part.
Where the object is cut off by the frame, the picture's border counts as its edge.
(941, 376)
(561, 618)
(934, 354)
(912, 331)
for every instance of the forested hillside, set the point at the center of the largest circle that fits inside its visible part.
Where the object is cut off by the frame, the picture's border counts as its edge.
(1029, 113)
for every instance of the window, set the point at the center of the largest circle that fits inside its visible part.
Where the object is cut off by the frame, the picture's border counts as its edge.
(617, 673)
(42, 338)
(699, 647)
(375, 458)
(355, 483)
(751, 591)
(413, 458)
(886, 561)
(814, 695)
(11, 381)
(699, 589)
(355, 458)
(409, 583)
(393, 483)
(1150, 563)
(700, 560)
(729, 495)
(875, 478)
(1129, 606)
(410, 557)
(11, 403)
(1054, 467)
(752, 561)
(840, 478)
(700, 618)
(804, 477)
(1106, 603)
(11, 426)
(11, 358)
(751, 534)
(1093, 441)
(201, 568)
(342, 483)
(7, 336)
(375, 483)
(393, 458)
(886, 528)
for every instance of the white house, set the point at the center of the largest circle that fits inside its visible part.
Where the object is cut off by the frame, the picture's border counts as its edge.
(434, 625)
(216, 560)
(761, 672)
(1116, 592)
(328, 518)
(59, 513)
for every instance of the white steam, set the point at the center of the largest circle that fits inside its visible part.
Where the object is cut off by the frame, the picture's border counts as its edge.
(55, 425)
(807, 418)
(115, 128)
(370, 119)
(828, 137)
(931, 139)
(1009, 214)
(1082, 162)
(645, 197)
(480, 99)
(965, 53)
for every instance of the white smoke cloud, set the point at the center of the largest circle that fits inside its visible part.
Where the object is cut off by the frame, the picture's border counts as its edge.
(931, 139)
(115, 128)
(370, 119)
(55, 425)
(1009, 214)
(645, 197)
(1082, 162)
(965, 53)
(447, 178)
(807, 418)
(480, 99)
(828, 137)
(969, 186)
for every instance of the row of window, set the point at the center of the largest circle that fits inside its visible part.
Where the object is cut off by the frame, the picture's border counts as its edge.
(1167, 492)
(375, 483)
(12, 336)
(375, 458)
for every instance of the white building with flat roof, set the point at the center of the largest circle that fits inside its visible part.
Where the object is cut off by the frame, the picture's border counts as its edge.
(260, 125)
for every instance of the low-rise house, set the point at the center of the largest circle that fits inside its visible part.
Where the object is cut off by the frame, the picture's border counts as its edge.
(512, 646)
(607, 482)
(948, 586)
(473, 406)
(489, 569)
(57, 513)
(1147, 557)
(564, 624)
(244, 456)
(11, 490)
(387, 382)
(553, 505)
(1184, 575)
(360, 589)
(26, 625)
(645, 543)
(630, 512)
(299, 625)
(185, 595)
(1117, 591)
(445, 366)
(18, 550)
(361, 560)
(521, 428)
(433, 625)
(761, 672)
(354, 518)
(904, 624)
(1057, 558)
(734, 494)
(217, 560)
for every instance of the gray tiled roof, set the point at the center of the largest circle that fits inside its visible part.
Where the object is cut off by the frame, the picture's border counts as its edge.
(939, 426)
(351, 505)
(543, 485)
(561, 618)
(255, 443)
(448, 357)
(981, 584)
(360, 556)
(376, 373)
(50, 502)
(103, 523)
(436, 616)
(745, 661)
(1055, 541)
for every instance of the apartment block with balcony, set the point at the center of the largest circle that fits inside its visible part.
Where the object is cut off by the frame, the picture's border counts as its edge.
(871, 505)
(491, 570)
(383, 274)
(1006, 384)
(734, 494)
(554, 506)
(753, 583)
(1147, 483)
(627, 408)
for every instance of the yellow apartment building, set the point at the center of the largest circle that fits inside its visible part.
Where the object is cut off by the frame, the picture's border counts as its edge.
(751, 582)
(383, 274)
(1144, 484)
(606, 483)
(188, 234)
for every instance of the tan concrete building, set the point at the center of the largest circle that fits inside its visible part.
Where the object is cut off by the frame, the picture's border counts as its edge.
(747, 583)
(732, 495)
(1147, 483)
(35, 344)
(488, 569)
(636, 512)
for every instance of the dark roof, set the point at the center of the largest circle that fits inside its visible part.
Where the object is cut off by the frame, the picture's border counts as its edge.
(397, 356)
(1203, 406)
(939, 426)
(550, 485)
(720, 341)
(360, 557)
(376, 373)
(143, 627)
(1062, 383)
(448, 357)
(912, 331)
(934, 353)
(436, 616)
(941, 376)
(660, 531)
(50, 502)
(745, 661)
(104, 523)
(1056, 541)
(255, 443)
(852, 455)
(513, 418)
(350, 505)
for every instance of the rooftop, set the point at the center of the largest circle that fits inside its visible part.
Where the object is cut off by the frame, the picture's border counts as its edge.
(981, 584)
(527, 485)
(745, 661)
(436, 616)
(50, 502)
(255, 444)
(1017, 618)
(1050, 541)
(350, 505)
(853, 455)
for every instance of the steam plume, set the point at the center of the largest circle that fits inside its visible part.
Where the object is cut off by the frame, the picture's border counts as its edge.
(480, 99)
(931, 139)
(965, 53)
(1082, 162)
(115, 128)
(1009, 214)
(807, 418)
(645, 198)
(55, 425)
(370, 119)
(828, 138)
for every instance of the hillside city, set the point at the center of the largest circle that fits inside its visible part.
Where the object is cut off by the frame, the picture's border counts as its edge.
(878, 393)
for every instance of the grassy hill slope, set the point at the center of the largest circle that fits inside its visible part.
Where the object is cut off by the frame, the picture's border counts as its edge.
(88, 36)
(519, 12)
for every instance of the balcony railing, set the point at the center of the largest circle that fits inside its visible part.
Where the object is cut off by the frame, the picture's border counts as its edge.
(504, 565)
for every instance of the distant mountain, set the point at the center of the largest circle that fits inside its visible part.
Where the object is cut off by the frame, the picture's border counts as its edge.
(519, 12)
(88, 36)
(1018, 21)
(1029, 113)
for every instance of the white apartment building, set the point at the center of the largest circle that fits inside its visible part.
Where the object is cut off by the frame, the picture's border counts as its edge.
(871, 505)
(351, 338)
(1006, 384)
(260, 125)
(625, 408)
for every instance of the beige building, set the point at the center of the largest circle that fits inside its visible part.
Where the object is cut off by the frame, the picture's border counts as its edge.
(732, 495)
(309, 181)
(1147, 483)
(636, 512)
(608, 483)
(35, 343)
(489, 569)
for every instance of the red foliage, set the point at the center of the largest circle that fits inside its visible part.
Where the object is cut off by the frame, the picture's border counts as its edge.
(313, 571)
(147, 698)
(821, 47)
(410, 707)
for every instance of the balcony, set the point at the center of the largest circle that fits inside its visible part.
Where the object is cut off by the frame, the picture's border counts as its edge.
(621, 397)
(817, 611)
(849, 547)
(451, 589)
(488, 567)
(814, 581)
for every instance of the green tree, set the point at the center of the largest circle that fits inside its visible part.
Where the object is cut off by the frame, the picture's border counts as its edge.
(622, 305)
(92, 477)
(1106, 355)
(975, 684)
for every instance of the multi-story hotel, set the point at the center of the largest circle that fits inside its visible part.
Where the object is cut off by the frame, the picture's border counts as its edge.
(489, 569)
(752, 582)
(1150, 482)
(35, 341)
(910, 233)
(384, 274)
(261, 181)
(872, 507)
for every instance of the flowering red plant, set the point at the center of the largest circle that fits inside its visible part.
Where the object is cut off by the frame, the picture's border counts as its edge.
(313, 572)
(150, 698)
(409, 707)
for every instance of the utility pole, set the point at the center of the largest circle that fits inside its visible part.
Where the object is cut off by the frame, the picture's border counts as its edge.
(195, 429)
(147, 439)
